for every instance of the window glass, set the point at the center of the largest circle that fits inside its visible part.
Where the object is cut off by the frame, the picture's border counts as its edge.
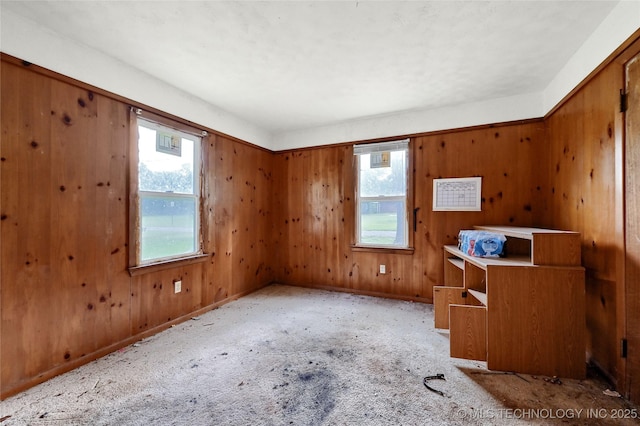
(163, 172)
(169, 187)
(168, 226)
(382, 196)
(384, 181)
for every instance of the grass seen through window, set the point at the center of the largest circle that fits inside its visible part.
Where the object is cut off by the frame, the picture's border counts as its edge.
(164, 235)
(379, 228)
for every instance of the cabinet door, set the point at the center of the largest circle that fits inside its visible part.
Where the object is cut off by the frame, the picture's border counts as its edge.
(536, 321)
(442, 298)
(468, 332)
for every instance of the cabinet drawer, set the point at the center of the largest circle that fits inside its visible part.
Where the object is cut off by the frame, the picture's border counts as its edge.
(468, 332)
(442, 298)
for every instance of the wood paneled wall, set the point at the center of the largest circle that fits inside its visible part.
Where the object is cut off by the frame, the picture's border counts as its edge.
(66, 294)
(581, 196)
(238, 234)
(241, 234)
(65, 286)
(316, 218)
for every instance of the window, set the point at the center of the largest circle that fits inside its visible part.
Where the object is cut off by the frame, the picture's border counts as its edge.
(382, 200)
(168, 208)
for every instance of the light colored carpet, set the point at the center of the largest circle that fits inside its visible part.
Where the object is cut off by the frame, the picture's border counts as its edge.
(287, 355)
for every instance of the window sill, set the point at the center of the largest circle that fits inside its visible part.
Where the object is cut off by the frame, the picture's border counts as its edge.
(389, 250)
(167, 264)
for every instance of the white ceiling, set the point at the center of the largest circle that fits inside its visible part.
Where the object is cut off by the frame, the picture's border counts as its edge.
(284, 66)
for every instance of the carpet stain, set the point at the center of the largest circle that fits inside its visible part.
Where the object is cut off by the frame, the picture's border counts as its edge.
(310, 394)
(343, 353)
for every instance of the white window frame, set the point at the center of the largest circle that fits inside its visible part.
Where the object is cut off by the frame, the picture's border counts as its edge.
(196, 196)
(358, 151)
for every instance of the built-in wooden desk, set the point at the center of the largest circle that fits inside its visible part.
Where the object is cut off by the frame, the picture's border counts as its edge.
(524, 312)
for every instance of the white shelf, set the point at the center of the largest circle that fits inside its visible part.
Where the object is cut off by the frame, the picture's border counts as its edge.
(482, 297)
(521, 232)
(457, 262)
(483, 262)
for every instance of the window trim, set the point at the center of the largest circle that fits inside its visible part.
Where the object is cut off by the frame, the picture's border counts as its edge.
(168, 264)
(136, 265)
(367, 148)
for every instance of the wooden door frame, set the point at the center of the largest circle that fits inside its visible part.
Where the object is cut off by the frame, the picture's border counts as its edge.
(624, 274)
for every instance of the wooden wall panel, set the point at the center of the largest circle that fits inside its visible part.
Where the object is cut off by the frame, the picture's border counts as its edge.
(313, 236)
(279, 214)
(26, 256)
(505, 157)
(319, 218)
(582, 197)
(243, 226)
(154, 301)
(64, 281)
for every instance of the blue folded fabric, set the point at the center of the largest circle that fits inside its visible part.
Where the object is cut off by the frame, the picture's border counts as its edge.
(481, 243)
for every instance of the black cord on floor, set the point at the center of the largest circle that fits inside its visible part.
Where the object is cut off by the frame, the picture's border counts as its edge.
(438, 376)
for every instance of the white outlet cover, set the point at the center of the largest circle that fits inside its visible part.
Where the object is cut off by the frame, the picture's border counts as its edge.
(177, 286)
(383, 269)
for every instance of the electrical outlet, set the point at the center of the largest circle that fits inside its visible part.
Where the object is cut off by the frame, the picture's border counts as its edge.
(177, 286)
(383, 269)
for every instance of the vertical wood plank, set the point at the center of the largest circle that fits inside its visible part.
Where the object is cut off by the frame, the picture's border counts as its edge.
(26, 254)
(106, 183)
(632, 264)
(582, 197)
(208, 217)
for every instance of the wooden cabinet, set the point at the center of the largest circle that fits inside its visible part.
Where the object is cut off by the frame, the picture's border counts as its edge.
(523, 313)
